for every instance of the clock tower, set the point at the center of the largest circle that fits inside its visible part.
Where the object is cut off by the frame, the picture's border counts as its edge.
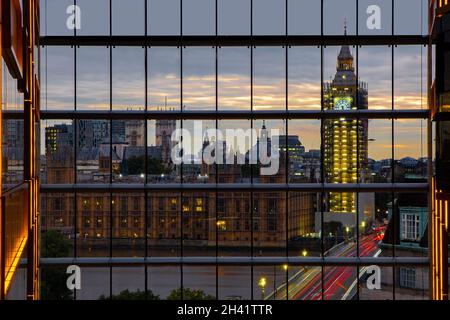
(345, 140)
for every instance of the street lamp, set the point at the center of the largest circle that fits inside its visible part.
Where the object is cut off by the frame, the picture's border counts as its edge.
(285, 267)
(262, 284)
(304, 253)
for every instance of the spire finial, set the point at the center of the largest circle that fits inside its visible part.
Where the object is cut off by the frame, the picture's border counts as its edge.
(345, 26)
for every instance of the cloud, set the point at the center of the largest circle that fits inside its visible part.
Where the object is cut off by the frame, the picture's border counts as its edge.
(234, 80)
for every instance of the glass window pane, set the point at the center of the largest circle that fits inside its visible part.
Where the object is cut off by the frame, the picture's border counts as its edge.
(342, 138)
(412, 236)
(375, 71)
(93, 92)
(338, 16)
(271, 165)
(128, 17)
(412, 283)
(128, 232)
(234, 68)
(198, 212)
(235, 283)
(201, 280)
(378, 168)
(13, 151)
(373, 223)
(164, 281)
(128, 78)
(375, 17)
(12, 99)
(385, 293)
(94, 17)
(199, 17)
(93, 225)
(128, 146)
(52, 284)
(409, 17)
(410, 150)
(160, 165)
(304, 78)
(410, 77)
(197, 136)
(269, 76)
(163, 17)
(93, 151)
(58, 93)
(304, 17)
(303, 145)
(238, 140)
(342, 289)
(233, 214)
(58, 149)
(163, 88)
(97, 283)
(303, 232)
(199, 78)
(309, 276)
(269, 224)
(274, 278)
(57, 225)
(164, 224)
(54, 20)
(126, 280)
(340, 80)
(234, 17)
(269, 17)
(339, 223)
(13, 132)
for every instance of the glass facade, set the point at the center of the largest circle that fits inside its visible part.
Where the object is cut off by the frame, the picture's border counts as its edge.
(19, 95)
(195, 155)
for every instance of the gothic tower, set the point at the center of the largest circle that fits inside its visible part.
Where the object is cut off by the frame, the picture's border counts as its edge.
(345, 140)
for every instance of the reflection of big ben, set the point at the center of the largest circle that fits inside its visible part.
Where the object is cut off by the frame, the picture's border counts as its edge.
(345, 140)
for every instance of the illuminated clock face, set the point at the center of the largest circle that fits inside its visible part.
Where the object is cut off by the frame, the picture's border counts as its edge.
(342, 104)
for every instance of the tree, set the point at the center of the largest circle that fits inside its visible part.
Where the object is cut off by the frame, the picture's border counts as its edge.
(136, 165)
(247, 170)
(189, 294)
(53, 280)
(128, 295)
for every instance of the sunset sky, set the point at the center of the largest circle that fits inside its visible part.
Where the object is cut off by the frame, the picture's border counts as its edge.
(234, 78)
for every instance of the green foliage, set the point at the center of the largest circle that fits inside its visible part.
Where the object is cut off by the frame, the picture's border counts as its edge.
(189, 294)
(54, 245)
(136, 166)
(53, 280)
(247, 170)
(128, 295)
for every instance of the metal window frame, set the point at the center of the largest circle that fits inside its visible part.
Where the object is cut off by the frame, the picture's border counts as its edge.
(181, 41)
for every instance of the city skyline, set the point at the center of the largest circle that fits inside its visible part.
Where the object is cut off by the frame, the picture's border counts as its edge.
(234, 85)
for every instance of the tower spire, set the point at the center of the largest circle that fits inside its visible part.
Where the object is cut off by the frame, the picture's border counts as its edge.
(345, 26)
